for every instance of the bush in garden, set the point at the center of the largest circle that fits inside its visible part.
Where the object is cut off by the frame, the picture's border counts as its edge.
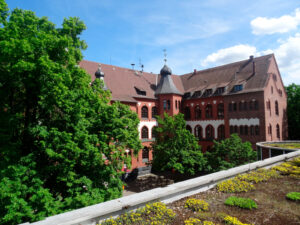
(235, 185)
(245, 203)
(196, 205)
(294, 196)
(230, 220)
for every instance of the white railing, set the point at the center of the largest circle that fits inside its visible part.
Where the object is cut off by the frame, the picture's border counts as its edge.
(91, 215)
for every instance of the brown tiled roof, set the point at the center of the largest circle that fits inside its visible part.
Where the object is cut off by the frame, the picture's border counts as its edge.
(230, 75)
(124, 82)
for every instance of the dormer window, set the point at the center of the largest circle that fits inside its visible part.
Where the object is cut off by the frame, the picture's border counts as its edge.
(237, 88)
(140, 91)
(187, 95)
(197, 94)
(207, 92)
(220, 91)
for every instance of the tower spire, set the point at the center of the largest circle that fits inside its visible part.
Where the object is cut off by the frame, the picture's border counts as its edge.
(165, 55)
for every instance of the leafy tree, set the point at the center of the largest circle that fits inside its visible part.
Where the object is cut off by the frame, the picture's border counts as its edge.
(175, 147)
(229, 153)
(293, 111)
(61, 142)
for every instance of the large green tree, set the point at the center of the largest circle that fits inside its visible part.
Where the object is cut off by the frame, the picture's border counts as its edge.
(61, 142)
(229, 153)
(175, 147)
(293, 111)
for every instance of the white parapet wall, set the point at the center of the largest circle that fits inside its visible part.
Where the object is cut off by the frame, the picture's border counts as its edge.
(91, 215)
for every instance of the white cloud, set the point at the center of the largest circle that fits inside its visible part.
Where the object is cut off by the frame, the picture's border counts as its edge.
(287, 55)
(228, 55)
(283, 24)
(288, 58)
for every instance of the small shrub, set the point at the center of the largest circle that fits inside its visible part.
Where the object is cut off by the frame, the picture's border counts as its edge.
(235, 185)
(245, 203)
(196, 205)
(229, 220)
(155, 213)
(294, 196)
(192, 221)
(291, 168)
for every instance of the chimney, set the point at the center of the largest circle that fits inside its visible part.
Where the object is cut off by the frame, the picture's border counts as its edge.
(253, 67)
(195, 71)
(251, 57)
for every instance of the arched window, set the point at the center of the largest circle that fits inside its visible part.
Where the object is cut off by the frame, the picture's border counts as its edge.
(145, 133)
(209, 132)
(252, 130)
(234, 106)
(208, 111)
(230, 107)
(270, 129)
(198, 132)
(221, 111)
(246, 130)
(168, 104)
(197, 112)
(241, 130)
(187, 113)
(145, 154)
(144, 112)
(231, 129)
(251, 105)
(153, 133)
(256, 105)
(278, 131)
(256, 130)
(221, 132)
(188, 128)
(154, 112)
(165, 104)
(276, 108)
(240, 106)
(176, 104)
(236, 129)
(245, 106)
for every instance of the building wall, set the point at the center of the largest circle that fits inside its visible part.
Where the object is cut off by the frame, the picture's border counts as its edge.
(275, 92)
(247, 117)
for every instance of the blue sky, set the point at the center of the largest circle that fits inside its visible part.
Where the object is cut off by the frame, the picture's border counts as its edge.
(196, 34)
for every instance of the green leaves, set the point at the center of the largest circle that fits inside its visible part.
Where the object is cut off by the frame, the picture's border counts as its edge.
(175, 147)
(293, 111)
(229, 153)
(61, 142)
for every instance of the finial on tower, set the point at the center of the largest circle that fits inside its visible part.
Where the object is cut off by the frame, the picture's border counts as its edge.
(165, 54)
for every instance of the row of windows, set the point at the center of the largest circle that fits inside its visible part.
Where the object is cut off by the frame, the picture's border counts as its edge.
(167, 104)
(208, 112)
(209, 132)
(276, 106)
(244, 130)
(145, 112)
(243, 106)
(277, 130)
(145, 132)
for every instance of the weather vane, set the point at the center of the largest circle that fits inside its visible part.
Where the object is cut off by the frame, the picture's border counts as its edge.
(165, 54)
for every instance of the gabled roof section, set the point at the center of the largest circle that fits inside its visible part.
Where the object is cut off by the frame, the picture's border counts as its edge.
(251, 73)
(122, 81)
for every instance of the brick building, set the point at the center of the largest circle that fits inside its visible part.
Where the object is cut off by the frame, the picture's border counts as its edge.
(245, 97)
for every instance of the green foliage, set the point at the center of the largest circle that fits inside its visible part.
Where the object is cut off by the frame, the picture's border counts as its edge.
(293, 111)
(295, 196)
(61, 142)
(229, 153)
(197, 205)
(175, 147)
(245, 203)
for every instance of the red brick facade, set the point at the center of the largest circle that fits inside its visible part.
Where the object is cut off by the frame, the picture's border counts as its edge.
(246, 97)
